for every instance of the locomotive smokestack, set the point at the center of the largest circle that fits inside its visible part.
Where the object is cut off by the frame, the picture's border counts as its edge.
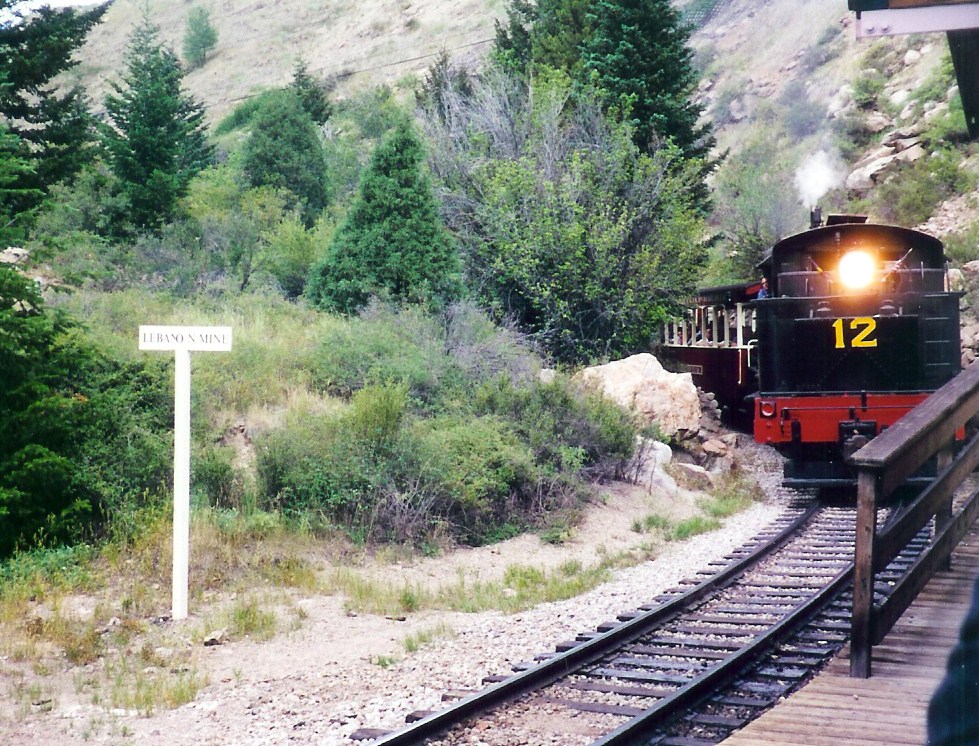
(815, 217)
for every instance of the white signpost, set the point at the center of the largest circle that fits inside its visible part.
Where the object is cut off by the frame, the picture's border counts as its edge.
(182, 340)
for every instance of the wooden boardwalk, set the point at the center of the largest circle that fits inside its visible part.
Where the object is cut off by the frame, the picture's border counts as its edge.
(890, 707)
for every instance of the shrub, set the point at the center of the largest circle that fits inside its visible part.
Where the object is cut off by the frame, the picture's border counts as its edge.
(912, 192)
(568, 429)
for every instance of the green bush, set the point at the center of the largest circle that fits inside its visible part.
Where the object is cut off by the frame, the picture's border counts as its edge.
(912, 192)
(573, 430)
(484, 476)
(83, 429)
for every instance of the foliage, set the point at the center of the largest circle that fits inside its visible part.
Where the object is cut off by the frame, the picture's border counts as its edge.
(566, 227)
(15, 194)
(233, 223)
(637, 54)
(156, 141)
(51, 118)
(81, 429)
(200, 37)
(753, 207)
(910, 195)
(284, 152)
(392, 242)
(512, 48)
(311, 93)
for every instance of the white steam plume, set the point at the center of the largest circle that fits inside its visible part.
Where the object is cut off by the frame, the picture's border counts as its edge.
(817, 175)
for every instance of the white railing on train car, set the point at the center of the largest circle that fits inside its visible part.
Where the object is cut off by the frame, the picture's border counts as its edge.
(712, 326)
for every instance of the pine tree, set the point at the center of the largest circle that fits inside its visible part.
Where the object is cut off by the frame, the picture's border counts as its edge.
(157, 139)
(637, 54)
(16, 199)
(284, 151)
(310, 93)
(393, 242)
(199, 38)
(51, 121)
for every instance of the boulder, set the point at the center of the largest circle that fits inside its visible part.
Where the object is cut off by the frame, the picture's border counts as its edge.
(641, 384)
(692, 477)
(14, 255)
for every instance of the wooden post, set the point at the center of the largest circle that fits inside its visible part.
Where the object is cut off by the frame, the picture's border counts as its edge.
(944, 513)
(863, 575)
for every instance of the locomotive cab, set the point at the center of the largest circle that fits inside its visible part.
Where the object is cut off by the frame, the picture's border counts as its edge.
(858, 328)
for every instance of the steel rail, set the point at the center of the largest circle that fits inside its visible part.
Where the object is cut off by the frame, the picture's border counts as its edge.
(563, 664)
(636, 731)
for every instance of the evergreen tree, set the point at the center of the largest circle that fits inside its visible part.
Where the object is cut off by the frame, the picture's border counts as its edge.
(284, 151)
(199, 38)
(51, 121)
(311, 93)
(80, 429)
(16, 170)
(392, 242)
(512, 49)
(637, 55)
(561, 28)
(157, 139)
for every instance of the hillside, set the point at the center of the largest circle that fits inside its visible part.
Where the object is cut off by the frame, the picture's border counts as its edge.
(746, 68)
(359, 44)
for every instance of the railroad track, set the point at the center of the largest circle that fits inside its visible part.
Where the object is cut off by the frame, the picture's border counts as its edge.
(694, 665)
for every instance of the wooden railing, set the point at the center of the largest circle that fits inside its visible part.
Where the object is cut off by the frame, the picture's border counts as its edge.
(885, 464)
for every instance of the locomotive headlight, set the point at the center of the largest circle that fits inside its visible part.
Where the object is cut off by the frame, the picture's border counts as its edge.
(857, 269)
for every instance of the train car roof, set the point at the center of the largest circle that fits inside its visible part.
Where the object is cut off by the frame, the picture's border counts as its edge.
(848, 235)
(724, 294)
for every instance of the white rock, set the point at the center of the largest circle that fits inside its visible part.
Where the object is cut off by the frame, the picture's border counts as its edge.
(641, 384)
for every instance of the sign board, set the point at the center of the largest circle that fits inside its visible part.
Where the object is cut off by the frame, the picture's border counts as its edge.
(891, 17)
(182, 340)
(191, 338)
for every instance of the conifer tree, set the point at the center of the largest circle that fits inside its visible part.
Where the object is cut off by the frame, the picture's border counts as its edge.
(284, 151)
(637, 54)
(310, 93)
(199, 38)
(393, 242)
(52, 122)
(157, 139)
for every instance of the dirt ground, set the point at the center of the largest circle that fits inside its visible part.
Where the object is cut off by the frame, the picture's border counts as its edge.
(335, 671)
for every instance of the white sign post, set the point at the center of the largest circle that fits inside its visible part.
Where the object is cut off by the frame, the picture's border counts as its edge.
(182, 340)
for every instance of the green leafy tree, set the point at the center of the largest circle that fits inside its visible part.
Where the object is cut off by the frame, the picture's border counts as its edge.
(566, 227)
(393, 241)
(284, 152)
(311, 93)
(50, 118)
(200, 37)
(754, 209)
(156, 139)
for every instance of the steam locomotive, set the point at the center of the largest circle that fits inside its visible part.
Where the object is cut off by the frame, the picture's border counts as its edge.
(856, 326)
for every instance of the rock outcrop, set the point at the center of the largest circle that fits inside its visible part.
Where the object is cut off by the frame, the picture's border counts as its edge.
(641, 384)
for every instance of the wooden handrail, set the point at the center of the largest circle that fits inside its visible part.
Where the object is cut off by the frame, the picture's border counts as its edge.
(882, 466)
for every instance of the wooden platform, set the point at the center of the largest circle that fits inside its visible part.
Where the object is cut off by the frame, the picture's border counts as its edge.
(890, 707)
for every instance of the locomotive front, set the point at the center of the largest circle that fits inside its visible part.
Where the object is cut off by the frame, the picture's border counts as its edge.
(858, 328)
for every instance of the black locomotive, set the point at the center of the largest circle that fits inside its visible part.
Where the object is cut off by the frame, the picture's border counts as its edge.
(856, 327)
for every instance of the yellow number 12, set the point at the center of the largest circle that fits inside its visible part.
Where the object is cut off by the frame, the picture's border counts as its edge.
(864, 326)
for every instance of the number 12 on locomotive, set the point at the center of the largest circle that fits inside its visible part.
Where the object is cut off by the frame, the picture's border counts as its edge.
(859, 332)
